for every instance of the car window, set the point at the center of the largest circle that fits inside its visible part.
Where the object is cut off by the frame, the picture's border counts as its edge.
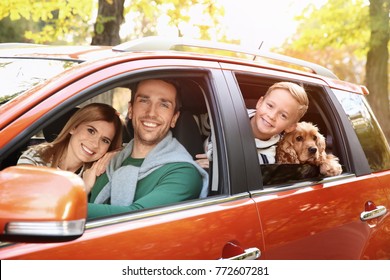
(252, 88)
(367, 129)
(195, 98)
(118, 97)
(194, 125)
(20, 76)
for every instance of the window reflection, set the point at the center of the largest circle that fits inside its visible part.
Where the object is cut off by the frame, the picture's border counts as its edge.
(367, 129)
(22, 74)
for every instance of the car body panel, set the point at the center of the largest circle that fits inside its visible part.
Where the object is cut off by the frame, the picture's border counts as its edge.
(323, 221)
(198, 233)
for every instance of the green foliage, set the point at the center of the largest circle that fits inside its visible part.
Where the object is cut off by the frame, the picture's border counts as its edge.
(335, 35)
(180, 17)
(337, 24)
(55, 20)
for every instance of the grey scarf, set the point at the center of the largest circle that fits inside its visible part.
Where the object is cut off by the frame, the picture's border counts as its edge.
(123, 179)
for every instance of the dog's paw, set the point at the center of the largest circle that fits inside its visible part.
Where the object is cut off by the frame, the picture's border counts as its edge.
(331, 167)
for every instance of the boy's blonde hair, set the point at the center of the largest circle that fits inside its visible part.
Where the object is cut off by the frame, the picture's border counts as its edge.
(297, 92)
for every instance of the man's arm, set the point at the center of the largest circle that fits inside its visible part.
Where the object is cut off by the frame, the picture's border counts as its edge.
(169, 184)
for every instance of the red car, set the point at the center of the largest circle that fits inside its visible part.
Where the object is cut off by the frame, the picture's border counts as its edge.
(252, 211)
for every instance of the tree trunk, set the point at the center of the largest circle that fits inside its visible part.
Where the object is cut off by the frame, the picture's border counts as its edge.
(108, 22)
(377, 63)
(107, 25)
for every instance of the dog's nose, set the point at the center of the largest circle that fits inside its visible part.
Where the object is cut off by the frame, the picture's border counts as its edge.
(312, 150)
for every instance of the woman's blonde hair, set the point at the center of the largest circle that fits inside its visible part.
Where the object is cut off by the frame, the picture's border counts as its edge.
(52, 152)
(297, 92)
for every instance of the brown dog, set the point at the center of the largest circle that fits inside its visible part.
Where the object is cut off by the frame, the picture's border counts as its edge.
(306, 145)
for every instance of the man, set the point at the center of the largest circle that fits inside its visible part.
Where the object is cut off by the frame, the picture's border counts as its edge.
(154, 169)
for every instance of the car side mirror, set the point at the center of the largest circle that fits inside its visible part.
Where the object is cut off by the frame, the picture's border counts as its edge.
(41, 204)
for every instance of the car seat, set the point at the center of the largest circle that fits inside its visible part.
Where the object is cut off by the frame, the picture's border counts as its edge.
(187, 133)
(51, 131)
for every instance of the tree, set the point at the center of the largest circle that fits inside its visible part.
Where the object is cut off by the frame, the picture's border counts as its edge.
(145, 16)
(337, 36)
(55, 21)
(60, 21)
(11, 32)
(108, 22)
(334, 36)
(377, 61)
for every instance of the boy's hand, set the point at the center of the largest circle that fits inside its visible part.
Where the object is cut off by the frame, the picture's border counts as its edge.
(202, 160)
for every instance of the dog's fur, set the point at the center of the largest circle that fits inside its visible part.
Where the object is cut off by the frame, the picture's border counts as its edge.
(306, 145)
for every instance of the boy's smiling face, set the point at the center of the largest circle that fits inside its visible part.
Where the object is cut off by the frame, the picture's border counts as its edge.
(276, 112)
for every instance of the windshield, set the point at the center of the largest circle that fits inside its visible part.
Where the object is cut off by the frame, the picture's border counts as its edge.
(21, 74)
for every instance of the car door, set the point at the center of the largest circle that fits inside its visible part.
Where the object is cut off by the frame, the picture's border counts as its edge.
(223, 225)
(321, 218)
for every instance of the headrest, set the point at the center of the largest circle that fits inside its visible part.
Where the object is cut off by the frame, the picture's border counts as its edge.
(51, 131)
(187, 133)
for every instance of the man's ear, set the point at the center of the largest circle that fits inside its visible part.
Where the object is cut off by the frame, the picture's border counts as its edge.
(174, 119)
(130, 111)
(291, 128)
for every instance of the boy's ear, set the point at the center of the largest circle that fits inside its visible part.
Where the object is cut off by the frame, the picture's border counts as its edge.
(259, 102)
(291, 128)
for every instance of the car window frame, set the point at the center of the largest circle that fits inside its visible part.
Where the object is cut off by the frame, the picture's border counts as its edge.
(331, 109)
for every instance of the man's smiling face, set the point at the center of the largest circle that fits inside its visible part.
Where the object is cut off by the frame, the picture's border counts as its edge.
(153, 111)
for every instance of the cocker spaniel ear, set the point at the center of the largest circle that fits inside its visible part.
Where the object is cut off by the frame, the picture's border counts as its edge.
(285, 152)
(321, 145)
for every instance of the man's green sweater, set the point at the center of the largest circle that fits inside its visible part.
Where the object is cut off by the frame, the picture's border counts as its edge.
(170, 183)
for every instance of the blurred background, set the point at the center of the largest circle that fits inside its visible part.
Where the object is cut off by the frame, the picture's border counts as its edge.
(350, 37)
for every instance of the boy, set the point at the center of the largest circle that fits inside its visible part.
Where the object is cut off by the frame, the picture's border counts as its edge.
(277, 112)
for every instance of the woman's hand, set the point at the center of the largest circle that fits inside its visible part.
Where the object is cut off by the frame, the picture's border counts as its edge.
(97, 169)
(89, 177)
(102, 163)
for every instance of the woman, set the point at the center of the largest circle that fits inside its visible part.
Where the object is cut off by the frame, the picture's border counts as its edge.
(89, 134)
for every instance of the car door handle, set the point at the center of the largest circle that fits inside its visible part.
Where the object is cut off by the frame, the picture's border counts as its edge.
(372, 211)
(248, 254)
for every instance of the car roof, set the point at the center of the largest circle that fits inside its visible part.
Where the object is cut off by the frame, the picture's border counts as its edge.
(74, 53)
(177, 47)
(158, 44)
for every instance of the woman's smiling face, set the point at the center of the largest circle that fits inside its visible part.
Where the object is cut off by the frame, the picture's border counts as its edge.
(90, 141)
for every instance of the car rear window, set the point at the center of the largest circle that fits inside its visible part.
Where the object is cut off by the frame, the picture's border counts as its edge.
(21, 74)
(367, 129)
